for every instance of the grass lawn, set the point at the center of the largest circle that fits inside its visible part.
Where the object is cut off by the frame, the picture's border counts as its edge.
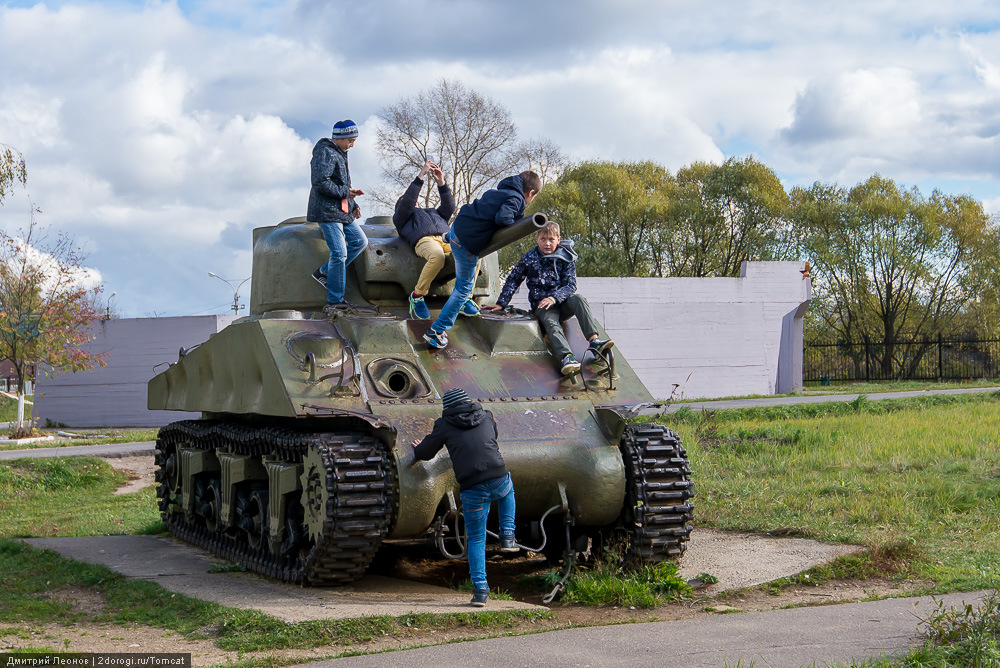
(915, 481)
(919, 478)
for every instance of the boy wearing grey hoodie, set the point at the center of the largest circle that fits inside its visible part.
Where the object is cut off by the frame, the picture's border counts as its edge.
(550, 272)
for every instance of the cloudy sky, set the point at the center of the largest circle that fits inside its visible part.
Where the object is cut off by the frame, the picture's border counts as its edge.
(159, 134)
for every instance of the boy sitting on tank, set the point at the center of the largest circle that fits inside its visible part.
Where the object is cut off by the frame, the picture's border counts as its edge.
(471, 232)
(424, 230)
(332, 205)
(470, 434)
(550, 272)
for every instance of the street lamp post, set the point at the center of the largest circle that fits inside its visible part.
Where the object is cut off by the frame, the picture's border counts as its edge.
(236, 290)
(107, 307)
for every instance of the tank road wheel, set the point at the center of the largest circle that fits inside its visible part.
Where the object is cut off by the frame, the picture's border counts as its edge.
(336, 495)
(315, 494)
(656, 518)
(348, 501)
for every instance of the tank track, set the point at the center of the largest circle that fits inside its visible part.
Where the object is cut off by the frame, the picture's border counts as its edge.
(658, 510)
(359, 485)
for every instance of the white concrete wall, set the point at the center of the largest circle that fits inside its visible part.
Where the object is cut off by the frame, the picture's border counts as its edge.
(115, 395)
(706, 337)
(685, 337)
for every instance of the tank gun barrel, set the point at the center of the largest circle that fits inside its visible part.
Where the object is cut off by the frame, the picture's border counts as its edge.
(505, 236)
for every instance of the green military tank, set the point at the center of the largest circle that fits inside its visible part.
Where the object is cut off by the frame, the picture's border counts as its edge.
(302, 464)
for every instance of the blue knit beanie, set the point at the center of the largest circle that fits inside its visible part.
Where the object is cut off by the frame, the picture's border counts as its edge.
(454, 397)
(344, 129)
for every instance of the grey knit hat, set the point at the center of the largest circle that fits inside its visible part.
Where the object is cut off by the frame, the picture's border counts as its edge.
(454, 397)
(344, 129)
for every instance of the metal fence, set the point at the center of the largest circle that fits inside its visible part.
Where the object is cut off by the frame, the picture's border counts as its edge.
(929, 359)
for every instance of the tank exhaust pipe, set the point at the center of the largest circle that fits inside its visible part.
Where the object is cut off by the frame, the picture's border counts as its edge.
(505, 236)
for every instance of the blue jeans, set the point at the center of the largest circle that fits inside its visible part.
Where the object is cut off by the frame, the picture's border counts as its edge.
(475, 508)
(465, 279)
(346, 241)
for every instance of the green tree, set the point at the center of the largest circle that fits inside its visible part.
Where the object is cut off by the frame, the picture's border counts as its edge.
(891, 265)
(724, 215)
(613, 211)
(12, 170)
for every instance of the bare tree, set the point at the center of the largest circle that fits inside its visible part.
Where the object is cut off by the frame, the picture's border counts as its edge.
(544, 157)
(471, 136)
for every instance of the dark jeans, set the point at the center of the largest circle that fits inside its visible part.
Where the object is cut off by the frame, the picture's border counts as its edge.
(551, 320)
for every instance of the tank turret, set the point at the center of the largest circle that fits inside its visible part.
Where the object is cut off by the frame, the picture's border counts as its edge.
(301, 464)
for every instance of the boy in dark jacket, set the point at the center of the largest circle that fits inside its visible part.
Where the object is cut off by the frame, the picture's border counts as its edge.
(332, 205)
(424, 230)
(550, 271)
(470, 434)
(471, 233)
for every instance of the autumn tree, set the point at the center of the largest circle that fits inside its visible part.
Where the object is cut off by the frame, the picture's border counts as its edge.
(471, 136)
(46, 309)
(891, 266)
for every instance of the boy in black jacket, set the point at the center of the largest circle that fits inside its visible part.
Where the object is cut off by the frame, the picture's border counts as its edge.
(424, 230)
(470, 234)
(470, 434)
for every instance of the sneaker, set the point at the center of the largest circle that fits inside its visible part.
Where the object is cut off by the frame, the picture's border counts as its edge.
(599, 346)
(436, 339)
(479, 597)
(418, 308)
(320, 278)
(339, 307)
(469, 308)
(569, 365)
(507, 543)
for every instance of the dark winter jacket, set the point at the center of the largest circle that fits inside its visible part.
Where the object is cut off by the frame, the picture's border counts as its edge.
(331, 183)
(470, 434)
(552, 275)
(412, 223)
(476, 222)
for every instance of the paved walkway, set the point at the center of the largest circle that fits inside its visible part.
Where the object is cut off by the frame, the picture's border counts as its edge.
(817, 399)
(820, 636)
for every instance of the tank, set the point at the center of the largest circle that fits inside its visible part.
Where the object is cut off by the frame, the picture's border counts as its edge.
(301, 464)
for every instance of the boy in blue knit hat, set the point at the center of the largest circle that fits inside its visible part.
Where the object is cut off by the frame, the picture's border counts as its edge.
(470, 434)
(332, 205)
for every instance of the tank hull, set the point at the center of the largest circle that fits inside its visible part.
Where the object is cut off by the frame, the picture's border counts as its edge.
(332, 405)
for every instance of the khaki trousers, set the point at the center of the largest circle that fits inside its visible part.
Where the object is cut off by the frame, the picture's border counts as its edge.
(435, 251)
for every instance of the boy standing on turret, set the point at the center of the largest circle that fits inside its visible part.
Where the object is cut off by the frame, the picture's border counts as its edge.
(332, 205)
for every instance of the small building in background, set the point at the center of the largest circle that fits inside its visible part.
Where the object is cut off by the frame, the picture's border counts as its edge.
(8, 377)
(115, 395)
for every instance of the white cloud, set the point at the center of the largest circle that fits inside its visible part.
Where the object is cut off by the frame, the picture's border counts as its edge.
(161, 134)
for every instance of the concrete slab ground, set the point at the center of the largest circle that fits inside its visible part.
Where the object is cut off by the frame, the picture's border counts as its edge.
(184, 569)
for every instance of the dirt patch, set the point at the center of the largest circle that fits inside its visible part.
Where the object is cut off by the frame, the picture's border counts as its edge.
(139, 469)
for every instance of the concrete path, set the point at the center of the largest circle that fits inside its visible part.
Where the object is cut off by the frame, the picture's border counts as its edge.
(816, 399)
(820, 636)
(185, 569)
(109, 450)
